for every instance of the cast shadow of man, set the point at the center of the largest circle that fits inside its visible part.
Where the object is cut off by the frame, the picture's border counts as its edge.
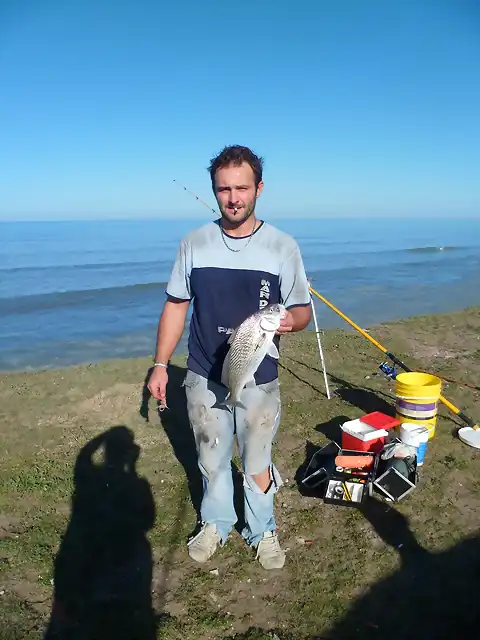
(432, 596)
(176, 425)
(103, 570)
(363, 397)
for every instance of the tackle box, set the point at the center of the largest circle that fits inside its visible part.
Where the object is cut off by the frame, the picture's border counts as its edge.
(338, 485)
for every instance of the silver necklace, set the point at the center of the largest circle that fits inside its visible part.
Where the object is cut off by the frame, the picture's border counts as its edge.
(245, 245)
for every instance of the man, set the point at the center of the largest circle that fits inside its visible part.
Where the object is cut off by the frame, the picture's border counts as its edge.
(230, 268)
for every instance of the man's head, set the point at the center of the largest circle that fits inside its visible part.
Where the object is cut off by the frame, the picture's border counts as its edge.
(236, 174)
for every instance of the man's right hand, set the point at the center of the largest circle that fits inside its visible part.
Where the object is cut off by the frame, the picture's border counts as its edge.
(157, 384)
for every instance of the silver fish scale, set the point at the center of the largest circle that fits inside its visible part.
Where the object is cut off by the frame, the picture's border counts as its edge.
(248, 341)
(247, 350)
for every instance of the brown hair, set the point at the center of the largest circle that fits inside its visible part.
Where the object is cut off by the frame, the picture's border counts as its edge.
(236, 155)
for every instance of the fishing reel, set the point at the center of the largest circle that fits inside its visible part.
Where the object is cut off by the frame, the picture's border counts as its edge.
(389, 371)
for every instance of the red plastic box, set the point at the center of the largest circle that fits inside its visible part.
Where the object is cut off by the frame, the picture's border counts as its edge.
(360, 436)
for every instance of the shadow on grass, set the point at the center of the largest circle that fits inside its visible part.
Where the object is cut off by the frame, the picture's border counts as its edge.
(103, 569)
(176, 425)
(364, 398)
(332, 429)
(298, 377)
(432, 596)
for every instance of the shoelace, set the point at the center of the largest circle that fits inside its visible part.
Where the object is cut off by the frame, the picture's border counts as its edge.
(271, 545)
(207, 539)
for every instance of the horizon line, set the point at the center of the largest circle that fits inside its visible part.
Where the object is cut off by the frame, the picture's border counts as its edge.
(378, 216)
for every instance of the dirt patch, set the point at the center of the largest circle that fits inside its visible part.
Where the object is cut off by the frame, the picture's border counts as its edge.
(10, 527)
(464, 497)
(28, 592)
(117, 401)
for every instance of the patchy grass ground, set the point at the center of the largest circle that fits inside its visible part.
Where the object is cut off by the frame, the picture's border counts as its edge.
(76, 512)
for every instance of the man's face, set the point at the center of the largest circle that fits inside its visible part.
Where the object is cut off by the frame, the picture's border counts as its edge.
(235, 189)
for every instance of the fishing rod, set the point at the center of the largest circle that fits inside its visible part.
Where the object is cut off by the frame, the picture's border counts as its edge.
(197, 198)
(461, 414)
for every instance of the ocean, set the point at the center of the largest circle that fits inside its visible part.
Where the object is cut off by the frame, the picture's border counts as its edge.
(83, 291)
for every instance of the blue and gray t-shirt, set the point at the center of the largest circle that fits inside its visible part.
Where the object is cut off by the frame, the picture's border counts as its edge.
(228, 279)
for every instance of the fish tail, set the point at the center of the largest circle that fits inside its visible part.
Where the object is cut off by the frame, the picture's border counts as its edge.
(232, 402)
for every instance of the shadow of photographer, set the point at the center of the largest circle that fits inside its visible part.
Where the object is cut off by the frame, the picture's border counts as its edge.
(103, 569)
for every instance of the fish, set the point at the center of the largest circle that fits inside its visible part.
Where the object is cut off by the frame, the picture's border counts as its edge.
(249, 343)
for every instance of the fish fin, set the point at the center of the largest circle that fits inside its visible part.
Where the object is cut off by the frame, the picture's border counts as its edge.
(231, 337)
(273, 351)
(230, 402)
(224, 375)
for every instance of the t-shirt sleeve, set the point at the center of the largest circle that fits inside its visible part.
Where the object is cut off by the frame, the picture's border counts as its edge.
(293, 281)
(179, 284)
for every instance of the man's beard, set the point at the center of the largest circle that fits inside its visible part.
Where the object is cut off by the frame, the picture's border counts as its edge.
(245, 212)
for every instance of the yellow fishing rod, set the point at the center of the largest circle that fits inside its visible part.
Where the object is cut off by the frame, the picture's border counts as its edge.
(461, 414)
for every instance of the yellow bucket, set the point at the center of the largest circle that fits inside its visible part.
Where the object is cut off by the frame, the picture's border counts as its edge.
(417, 399)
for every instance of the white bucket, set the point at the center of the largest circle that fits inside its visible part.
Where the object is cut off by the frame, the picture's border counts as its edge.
(415, 435)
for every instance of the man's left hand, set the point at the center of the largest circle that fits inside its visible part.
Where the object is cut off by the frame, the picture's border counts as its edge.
(286, 324)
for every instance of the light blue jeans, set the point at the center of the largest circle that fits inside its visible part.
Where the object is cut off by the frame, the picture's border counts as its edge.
(214, 427)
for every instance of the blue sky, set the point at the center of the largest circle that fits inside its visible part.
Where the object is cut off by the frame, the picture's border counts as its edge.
(359, 108)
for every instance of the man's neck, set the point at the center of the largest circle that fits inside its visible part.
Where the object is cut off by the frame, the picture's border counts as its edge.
(247, 227)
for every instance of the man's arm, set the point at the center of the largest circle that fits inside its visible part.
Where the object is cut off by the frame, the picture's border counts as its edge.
(295, 293)
(169, 332)
(172, 320)
(170, 328)
(174, 314)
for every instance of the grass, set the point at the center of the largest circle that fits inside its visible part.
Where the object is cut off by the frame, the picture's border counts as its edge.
(70, 519)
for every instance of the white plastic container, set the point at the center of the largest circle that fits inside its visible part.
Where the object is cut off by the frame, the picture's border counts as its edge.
(415, 435)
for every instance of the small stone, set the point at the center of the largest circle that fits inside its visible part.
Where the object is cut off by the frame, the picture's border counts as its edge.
(2, 592)
(214, 572)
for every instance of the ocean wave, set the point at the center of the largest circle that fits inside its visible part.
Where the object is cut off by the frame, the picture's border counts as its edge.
(92, 297)
(433, 249)
(88, 266)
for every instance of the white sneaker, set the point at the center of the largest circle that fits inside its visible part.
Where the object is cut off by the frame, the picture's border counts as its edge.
(269, 552)
(202, 546)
